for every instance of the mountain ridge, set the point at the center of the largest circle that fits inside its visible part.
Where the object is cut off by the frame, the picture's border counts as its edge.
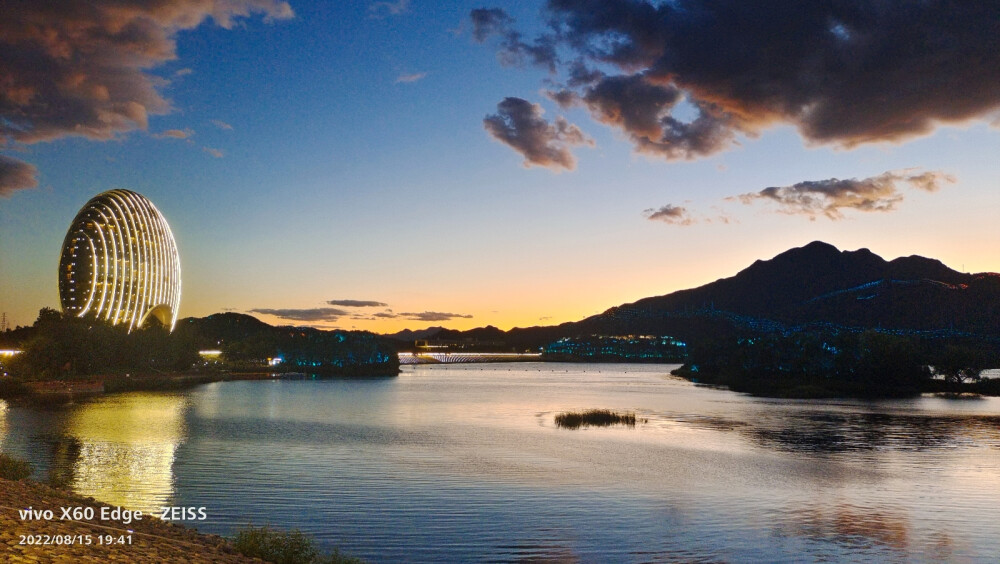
(813, 284)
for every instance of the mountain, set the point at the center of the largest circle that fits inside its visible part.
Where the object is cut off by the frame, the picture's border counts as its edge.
(413, 335)
(812, 285)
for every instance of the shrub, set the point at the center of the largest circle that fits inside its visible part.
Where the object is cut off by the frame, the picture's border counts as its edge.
(13, 468)
(280, 547)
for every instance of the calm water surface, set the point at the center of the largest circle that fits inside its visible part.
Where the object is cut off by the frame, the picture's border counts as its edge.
(464, 463)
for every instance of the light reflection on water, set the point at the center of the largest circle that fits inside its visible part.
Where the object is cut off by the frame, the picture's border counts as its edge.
(464, 463)
(118, 449)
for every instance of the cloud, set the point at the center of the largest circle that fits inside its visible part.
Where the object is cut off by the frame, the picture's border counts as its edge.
(312, 314)
(356, 303)
(16, 175)
(514, 51)
(82, 68)
(829, 197)
(221, 124)
(434, 316)
(674, 215)
(519, 124)
(385, 315)
(185, 133)
(842, 73)
(489, 21)
(182, 72)
(214, 152)
(407, 78)
(380, 10)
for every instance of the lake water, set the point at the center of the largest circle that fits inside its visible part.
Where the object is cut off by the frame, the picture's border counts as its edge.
(464, 463)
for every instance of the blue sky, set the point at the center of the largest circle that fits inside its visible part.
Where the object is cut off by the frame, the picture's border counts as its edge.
(341, 154)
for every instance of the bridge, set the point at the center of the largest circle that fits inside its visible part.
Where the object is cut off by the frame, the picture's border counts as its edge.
(464, 357)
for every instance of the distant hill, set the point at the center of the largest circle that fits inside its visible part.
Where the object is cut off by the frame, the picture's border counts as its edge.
(408, 335)
(819, 284)
(812, 285)
(246, 339)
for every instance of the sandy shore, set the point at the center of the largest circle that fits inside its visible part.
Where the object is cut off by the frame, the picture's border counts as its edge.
(150, 539)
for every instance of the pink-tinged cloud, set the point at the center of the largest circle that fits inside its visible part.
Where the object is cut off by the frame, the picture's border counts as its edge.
(16, 175)
(830, 197)
(185, 133)
(674, 215)
(519, 125)
(214, 152)
(82, 68)
(221, 124)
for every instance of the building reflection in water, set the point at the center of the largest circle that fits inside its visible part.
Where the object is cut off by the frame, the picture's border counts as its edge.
(120, 449)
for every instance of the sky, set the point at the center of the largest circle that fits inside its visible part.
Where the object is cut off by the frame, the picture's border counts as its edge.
(382, 165)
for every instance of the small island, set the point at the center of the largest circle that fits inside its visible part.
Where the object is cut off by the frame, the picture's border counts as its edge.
(594, 418)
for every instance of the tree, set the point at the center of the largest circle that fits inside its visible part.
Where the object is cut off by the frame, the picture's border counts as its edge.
(960, 364)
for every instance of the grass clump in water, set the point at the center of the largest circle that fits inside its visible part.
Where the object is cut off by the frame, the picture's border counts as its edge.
(280, 547)
(594, 417)
(13, 468)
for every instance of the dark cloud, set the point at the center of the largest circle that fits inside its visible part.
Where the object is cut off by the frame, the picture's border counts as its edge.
(312, 314)
(514, 51)
(829, 197)
(356, 303)
(385, 315)
(16, 175)
(82, 68)
(674, 215)
(519, 124)
(565, 98)
(843, 73)
(580, 75)
(489, 21)
(434, 316)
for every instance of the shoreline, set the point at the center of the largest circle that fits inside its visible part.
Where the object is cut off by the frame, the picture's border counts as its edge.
(145, 540)
(59, 391)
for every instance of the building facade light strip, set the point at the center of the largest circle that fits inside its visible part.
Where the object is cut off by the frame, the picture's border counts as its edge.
(104, 256)
(93, 278)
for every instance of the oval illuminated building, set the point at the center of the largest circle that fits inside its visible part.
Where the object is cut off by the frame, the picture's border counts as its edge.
(120, 263)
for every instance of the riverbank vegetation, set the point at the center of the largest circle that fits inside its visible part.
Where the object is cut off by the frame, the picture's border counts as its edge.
(12, 468)
(69, 348)
(866, 364)
(281, 547)
(594, 418)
